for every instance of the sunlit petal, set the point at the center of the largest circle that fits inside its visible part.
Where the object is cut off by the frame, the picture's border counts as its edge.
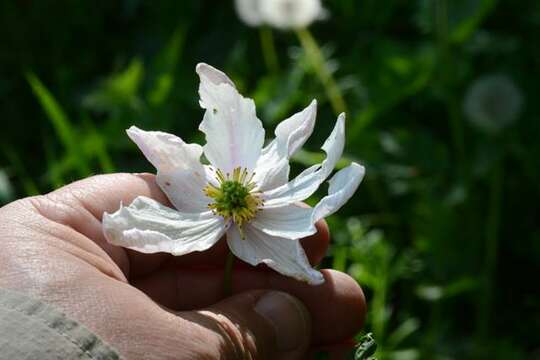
(305, 184)
(289, 221)
(272, 169)
(149, 227)
(234, 134)
(283, 255)
(179, 171)
(295, 222)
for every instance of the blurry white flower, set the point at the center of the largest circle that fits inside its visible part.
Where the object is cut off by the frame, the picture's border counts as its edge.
(282, 14)
(249, 11)
(493, 102)
(244, 192)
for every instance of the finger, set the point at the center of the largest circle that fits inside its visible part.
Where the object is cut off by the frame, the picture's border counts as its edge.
(257, 325)
(338, 301)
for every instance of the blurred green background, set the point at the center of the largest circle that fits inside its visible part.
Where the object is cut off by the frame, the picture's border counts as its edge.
(442, 105)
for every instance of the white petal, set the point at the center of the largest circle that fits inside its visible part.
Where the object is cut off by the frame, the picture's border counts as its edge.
(180, 173)
(149, 227)
(248, 11)
(272, 169)
(289, 221)
(295, 130)
(234, 134)
(283, 255)
(214, 75)
(305, 184)
(342, 187)
(295, 222)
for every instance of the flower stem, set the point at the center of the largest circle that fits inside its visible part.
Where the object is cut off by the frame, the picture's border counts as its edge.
(269, 49)
(448, 79)
(492, 246)
(227, 275)
(316, 57)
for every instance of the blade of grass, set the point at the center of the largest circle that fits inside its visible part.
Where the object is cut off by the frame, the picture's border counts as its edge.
(97, 146)
(164, 67)
(60, 122)
(53, 175)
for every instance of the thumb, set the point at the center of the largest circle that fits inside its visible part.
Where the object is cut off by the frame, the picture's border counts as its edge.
(256, 325)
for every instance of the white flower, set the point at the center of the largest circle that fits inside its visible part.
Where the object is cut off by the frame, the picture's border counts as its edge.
(282, 14)
(493, 102)
(244, 192)
(249, 11)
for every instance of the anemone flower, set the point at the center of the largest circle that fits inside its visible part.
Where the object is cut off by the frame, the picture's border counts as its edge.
(243, 192)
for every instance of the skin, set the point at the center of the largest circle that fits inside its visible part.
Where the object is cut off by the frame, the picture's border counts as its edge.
(156, 306)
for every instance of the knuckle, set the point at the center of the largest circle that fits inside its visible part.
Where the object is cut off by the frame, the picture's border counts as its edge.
(234, 340)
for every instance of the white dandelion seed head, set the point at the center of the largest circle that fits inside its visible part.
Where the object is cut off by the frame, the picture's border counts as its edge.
(493, 102)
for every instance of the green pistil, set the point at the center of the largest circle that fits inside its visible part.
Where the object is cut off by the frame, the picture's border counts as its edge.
(234, 198)
(231, 198)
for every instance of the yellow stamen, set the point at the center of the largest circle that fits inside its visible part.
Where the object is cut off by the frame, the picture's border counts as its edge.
(234, 197)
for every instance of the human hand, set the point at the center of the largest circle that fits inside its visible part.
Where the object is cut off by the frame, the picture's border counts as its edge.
(158, 306)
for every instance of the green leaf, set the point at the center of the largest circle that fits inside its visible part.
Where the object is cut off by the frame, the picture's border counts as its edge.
(95, 145)
(119, 90)
(366, 349)
(403, 331)
(164, 68)
(471, 14)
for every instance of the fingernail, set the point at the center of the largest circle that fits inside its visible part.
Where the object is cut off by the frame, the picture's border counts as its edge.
(288, 317)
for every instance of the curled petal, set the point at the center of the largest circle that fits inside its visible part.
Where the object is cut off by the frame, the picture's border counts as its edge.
(295, 222)
(272, 169)
(294, 131)
(213, 75)
(149, 227)
(180, 173)
(234, 134)
(305, 184)
(283, 255)
(342, 187)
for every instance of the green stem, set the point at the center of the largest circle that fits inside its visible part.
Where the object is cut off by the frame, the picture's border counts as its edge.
(448, 73)
(492, 247)
(269, 49)
(227, 276)
(316, 57)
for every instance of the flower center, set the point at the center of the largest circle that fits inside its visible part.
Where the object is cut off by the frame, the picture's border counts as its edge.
(234, 198)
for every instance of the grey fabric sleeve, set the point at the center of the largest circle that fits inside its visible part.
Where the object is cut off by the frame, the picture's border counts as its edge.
(30, 329)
